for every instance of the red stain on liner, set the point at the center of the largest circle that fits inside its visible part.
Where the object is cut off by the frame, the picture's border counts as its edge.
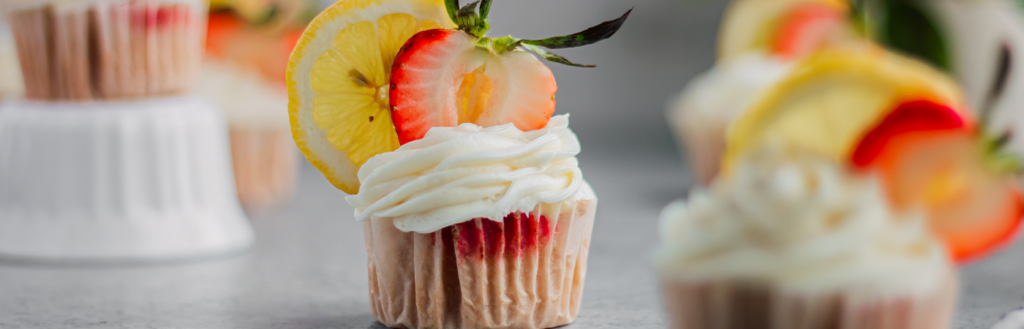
(164, 16)
(517, 233)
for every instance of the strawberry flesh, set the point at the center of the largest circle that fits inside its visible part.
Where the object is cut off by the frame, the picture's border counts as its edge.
(913, 116)
(442, 78)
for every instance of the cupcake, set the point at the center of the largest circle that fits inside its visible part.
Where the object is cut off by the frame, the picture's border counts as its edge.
(459, 238)
(86, 50)
(248, 43)
(791, 240)
(475, 211)
(264, 156)
(710, 102)
(758, 44)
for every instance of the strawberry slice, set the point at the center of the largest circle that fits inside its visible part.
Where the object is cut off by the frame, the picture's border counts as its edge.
(806, 29)
(930, 158)
(913, 116)
(442, 78)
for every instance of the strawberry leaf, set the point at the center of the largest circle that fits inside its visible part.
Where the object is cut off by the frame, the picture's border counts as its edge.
(589, 36)
(468, 10)
(485, 9)
(554, 57)
(452, 6)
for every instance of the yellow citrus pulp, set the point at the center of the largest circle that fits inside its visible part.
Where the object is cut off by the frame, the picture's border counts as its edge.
(339, 77)
(747, 24)
(832, 99)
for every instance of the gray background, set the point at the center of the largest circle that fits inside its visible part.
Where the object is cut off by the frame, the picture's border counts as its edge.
(308, 268)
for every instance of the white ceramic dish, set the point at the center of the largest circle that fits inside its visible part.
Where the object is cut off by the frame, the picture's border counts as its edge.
(130, 181)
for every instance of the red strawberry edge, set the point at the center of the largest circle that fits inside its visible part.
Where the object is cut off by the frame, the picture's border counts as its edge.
(912, 116)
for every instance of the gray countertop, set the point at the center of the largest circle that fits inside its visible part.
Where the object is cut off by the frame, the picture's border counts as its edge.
(308, 269)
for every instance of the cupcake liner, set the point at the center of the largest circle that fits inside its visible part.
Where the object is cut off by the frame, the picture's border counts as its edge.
(526, 271)
(727, 305)
(265, 166)
(32, 36)
(109, 49)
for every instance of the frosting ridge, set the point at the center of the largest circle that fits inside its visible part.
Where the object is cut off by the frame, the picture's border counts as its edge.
(455, 174)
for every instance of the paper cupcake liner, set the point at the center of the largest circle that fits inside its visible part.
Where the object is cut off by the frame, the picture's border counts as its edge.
(109, 49)
(265, 166)
(724, 305)
(524, 272)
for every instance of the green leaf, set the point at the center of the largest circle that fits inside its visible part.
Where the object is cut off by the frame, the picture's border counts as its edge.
(485, 9)
(554, 57)
(906, 28)
(589, 36)
(452, 6)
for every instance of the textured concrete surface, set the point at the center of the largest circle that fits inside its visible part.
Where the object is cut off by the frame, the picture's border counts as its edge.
(308, 269)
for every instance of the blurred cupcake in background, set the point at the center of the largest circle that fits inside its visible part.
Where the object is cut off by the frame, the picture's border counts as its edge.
(759, 40)
(703, 111)
(247, 51)
(139, 48)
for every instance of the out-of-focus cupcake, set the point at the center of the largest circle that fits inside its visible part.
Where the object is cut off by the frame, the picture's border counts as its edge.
(248, 44)
(264, 157)
(710, 102)
(85, 50)
(790, 240)
(758, 42)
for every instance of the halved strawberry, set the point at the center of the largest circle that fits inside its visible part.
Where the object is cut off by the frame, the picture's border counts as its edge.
(913, 116)
(443, 78)
(806, 29)
(930, 158)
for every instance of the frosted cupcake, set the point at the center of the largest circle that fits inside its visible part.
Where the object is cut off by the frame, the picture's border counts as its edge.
(475, 227)
(248, 43)
(758, 42)
(793, 241)
(264, 156)
(104, 49)
(704, 110)
(475, 212)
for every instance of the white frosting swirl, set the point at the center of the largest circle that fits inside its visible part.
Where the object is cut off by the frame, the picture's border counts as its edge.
(800, 224)
(455, 174)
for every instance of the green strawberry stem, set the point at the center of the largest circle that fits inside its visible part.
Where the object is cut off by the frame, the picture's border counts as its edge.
(472, 19)
(485, 9)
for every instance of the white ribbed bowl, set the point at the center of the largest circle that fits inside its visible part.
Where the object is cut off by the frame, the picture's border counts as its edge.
(130, 181)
